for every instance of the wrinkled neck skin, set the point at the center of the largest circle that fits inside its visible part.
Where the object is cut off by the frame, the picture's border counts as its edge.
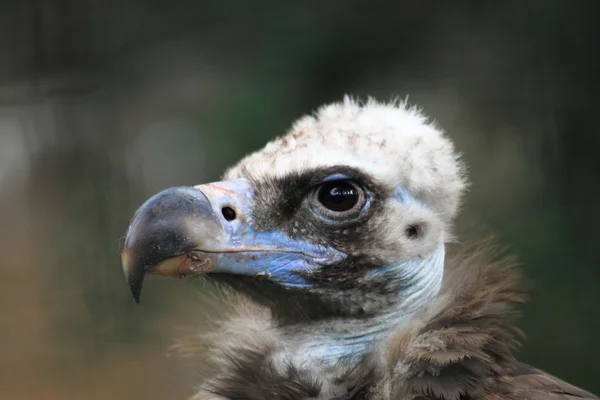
(330, 341)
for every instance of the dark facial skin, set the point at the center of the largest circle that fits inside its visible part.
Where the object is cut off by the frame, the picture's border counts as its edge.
(288, 205)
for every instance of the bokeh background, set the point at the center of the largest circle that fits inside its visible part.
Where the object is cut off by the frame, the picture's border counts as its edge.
(103, 103)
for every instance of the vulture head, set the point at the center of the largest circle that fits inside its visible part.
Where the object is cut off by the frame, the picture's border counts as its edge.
(338, 227)
(335, 236)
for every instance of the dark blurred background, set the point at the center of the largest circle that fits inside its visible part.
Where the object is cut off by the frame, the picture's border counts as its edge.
(104, 103)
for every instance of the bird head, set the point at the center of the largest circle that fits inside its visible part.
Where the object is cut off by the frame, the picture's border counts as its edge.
(345, 216)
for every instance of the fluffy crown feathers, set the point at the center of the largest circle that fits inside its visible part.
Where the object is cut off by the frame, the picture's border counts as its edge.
(393, 142)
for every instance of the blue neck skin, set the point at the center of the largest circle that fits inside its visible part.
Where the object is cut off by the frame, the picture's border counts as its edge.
(353, 338)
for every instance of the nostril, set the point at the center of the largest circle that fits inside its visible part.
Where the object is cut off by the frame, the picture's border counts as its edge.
(228, 213)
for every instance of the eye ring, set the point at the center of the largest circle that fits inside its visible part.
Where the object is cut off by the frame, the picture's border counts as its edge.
(339, 198)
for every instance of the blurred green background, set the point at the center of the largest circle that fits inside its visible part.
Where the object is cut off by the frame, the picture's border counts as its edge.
(104, 103)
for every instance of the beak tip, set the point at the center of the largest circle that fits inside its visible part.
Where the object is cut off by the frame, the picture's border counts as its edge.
(136, 297)
(135, 285)
(132, 276)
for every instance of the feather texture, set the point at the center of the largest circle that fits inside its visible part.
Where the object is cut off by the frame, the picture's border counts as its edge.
(460, 347)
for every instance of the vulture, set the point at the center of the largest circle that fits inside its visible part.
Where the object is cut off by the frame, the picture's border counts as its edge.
(341, 279)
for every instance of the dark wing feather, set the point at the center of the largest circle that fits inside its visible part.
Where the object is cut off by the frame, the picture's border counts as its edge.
(463, 349)
(531, 383)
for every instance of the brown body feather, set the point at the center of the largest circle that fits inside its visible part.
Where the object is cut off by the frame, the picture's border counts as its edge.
(459, 348)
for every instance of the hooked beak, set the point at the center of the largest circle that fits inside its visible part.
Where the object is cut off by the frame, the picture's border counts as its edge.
(159, 240)
(204, 229)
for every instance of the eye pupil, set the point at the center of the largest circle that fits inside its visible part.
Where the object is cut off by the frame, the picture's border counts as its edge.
(338, 196)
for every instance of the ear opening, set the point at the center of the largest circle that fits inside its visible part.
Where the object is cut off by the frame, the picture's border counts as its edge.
(415, 230)
(412, 231)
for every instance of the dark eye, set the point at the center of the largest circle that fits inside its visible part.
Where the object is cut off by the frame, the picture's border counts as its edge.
(339, 196)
